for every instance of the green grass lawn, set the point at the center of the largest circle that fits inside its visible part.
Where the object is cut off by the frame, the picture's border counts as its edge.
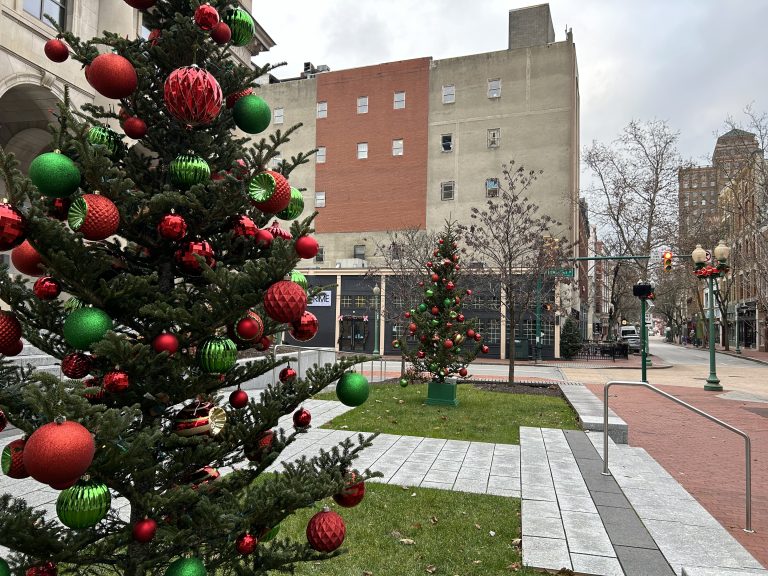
(482, 415)
(421, 531)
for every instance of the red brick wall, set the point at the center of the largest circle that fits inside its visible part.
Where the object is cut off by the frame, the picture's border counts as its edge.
(383, 192)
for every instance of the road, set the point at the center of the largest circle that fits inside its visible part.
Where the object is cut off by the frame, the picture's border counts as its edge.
(689, 356)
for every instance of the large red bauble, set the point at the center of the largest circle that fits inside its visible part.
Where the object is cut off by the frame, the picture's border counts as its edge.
(221, 34)
(352, 494)
(206, 16)
(46, 288)
(116, 381)
(305, 328)
(56, 50)
(264, 238)
(185, 256)
(246, 544)
(13, 227)
(3, 421)
(306, 247)
(14, 349)
(463, 372)
(46, 569)
(26, 259)
(242, 225)
(112, 76)
(287, 374)
(134, 127)
(249, 328)
(326, 531)
(99, 221)
(13, 460)
(58, 454)
(192, 95)
(10, 330)
(302, 418)
(141, 4)
(285, 301)
(172, 227)
(448, 344)
(238, 399)
(76, 365)
(144, 530)
(235, 96)
(166, 343)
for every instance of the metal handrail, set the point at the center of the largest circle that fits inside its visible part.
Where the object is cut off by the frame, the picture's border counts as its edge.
(747, 441)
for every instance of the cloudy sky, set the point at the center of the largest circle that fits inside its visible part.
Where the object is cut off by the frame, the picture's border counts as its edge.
(690, 62)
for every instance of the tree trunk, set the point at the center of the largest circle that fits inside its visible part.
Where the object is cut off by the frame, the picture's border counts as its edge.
(511, 359)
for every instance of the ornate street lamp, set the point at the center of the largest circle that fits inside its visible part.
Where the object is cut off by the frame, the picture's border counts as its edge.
(377, 307)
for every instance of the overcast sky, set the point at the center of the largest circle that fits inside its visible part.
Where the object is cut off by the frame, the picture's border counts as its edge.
(690, 62)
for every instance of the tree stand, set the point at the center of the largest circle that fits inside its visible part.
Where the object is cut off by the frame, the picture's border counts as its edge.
(442, 393)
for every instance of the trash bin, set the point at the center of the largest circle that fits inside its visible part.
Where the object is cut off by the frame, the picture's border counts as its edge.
(522, 350)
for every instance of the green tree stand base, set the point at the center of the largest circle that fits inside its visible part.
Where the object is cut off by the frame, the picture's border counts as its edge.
(442, 393)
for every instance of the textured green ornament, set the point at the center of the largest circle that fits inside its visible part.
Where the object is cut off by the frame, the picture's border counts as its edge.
(217, 355)
(103, 136)
(241, 24)
(72, 303)
(86, 326)
(295, 206)
(186, 567)
(435, 321)
(54, 174)
(5, 570)
(429, 292)
(187, 170)
(352, 389)
(299, 279)
(83, 505)
(252, 114)
(453, 314)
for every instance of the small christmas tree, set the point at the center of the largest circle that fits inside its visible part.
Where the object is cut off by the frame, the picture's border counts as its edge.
(570, 339)
(443, 342)
(169, 270)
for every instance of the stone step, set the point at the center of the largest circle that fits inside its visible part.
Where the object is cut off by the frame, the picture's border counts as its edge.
(721, 572)
(590, 410)
(35, 360)
(30, 350)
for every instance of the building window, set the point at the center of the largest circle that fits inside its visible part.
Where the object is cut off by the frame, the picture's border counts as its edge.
(359, 251)
(446, 190)
(399, 100)
(494, 137)
(320, 256)
(319, 199)
(54, 8)
(362, 104)
(322, 109)
(446, 142)
(449, 94)
(346, 301)
(494, 88)
(362, 150)
(320, 156)
(144, 32)
(491, 187)
(278, 115)
(397, 147)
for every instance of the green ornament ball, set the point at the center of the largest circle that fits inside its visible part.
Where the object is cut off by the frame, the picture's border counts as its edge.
(448, 302)
(295, 206)
(299, 279)
(83, 505)
(217, 355)
(5, 570)
(252, 114)
(453, 314)
(103, 136)
(186, 567)
(186, 170)
(429, 292)
(352, 389)
(422, 307)
(433, 367)
(241, 24)
(54, 174)
(403, 382)
(86, 326)
(435, 321)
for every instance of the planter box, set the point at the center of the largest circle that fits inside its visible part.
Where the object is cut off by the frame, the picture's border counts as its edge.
(442, 393)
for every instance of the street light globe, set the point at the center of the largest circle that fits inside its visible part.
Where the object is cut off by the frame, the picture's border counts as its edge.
(722, 251)
(699, 256)
(376, 290)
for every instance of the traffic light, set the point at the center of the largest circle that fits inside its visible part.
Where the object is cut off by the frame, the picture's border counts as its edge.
(667, 257)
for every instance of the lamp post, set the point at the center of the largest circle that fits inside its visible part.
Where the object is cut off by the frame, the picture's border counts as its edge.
(736, 309)
(377, 306)
(704, 270)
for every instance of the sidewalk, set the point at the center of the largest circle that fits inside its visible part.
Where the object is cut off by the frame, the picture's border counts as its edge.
(746, 353)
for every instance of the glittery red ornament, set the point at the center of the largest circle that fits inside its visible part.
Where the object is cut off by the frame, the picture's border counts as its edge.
(13, 227)
(95, 393)
(264, 238)
(13, 460)
(58, 454)
(306, 247)
(56, 50)
(221, 34)
(112, 76)
(26, 259)
(187, 260)
(270, 192)
(192, 95)
(463, 372)
(96, 217)
(165, 343)
(256, 452)
(14, 349)
(206, 16)
(484, 349)
(287, 374)
(116, 381)
(326, 531)
(305, 328)
(134, 127)
(144, 530)
(10, 330)
(246, 544)
(278, 232)
(154, 36)
(285, 301)
(141, 4)
(3, 421)
(249, 328)
(242, 225)
(352, 494)
(302, 418)
(46, 569)
(76, 365)
(238, 399)
(235, 96)
(172, 227)
(46, 288)
(202, 476)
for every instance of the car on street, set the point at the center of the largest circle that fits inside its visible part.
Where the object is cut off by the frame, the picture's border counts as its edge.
(630, 336)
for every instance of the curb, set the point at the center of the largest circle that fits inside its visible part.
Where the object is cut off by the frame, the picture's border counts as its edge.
(726, 353)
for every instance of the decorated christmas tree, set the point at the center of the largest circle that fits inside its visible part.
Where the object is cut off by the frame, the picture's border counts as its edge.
(145, 267)
(439, 339)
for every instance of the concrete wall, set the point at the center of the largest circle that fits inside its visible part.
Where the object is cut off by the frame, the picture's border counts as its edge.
(530, 26)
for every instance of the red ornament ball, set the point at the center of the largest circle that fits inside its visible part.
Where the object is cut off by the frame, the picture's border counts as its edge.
(221, 34)
(13, 460)
(469, 292)
(116, 381)
(460, 318)
(13, 227)
(192, 95)
(264, 238)
(352, 494)
(144, 530)
(463, 372)
(448, 344)
(246, 544)
(306, 247)
(421, 354)
(141, 4)
(46, 288)
(166, 343)
(470, 333)
(257, 451)
(450, 285)
(435, 310)
(27, 260)
(96, 217)
(154, 36)
(407, 314)
(435, 277)
(484, 349)
(238, 399)
(206, 16)
(287, 374)
(56, 50)
(249, 328)
(187, 260)
(172, 227)
(76, 365)
(134, 127)
(10, 330)
(412, 327)
(278, 232)
(46, 569)
(305, 328)
(58, 454)
(302, 418)
(326, 531)
(235, 96)
(264, 344)
(478, 337)
(242, 225)
(285, 301)
(112, 76)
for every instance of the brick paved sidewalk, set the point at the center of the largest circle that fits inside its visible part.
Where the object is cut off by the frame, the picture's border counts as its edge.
(705, 458)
